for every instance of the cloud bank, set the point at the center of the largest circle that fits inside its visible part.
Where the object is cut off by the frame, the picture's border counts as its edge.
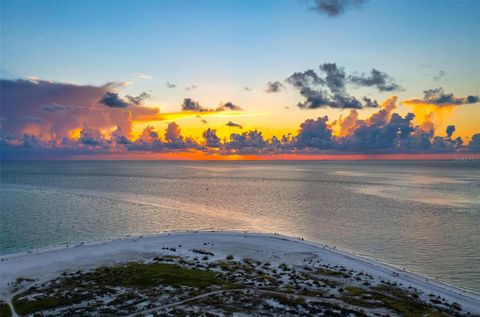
(48, 119)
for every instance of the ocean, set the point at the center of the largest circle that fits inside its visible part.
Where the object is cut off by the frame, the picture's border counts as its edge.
(420, 215)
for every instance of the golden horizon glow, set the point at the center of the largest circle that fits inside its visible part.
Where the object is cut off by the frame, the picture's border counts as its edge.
(202, 156)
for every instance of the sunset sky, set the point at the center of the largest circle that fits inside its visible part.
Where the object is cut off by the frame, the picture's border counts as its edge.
(239, 79)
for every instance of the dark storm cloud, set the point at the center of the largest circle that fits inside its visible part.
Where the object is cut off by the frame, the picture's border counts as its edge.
(234, 125)
(450, 130)
(474, 144)
(369, 103)
(137, 100)
(376, 78)
(91, 137)
(246, 142)
(439, 97)
(307, 78)
(190, 105)
(118, 136)
(385, 136)
(334, 8)
(307, 83)
(273, 87)
(328, 88)
(229, 106)
(315, 134)
(335, 77)
(113, 100)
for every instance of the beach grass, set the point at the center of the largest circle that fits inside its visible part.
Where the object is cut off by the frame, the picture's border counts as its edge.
(5, 310)
(25, 306)
(130, 275)
(147, 275)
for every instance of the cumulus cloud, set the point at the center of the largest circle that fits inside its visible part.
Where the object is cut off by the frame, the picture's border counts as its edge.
(246, 142)
(173, 133)
(384, 113)
(333, 8)
(315, 134)
(170, 85)
(273, 87)
(345, 125)
(149, 134)
(211, 138)
(91, 137)
(385, 136)
(474, 144)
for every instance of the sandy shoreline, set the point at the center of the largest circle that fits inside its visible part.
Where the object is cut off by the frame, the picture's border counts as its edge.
(48, 263)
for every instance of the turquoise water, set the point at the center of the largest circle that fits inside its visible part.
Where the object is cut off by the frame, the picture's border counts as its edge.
(424, 216)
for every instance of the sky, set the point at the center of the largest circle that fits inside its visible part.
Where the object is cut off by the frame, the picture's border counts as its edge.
(238, 79)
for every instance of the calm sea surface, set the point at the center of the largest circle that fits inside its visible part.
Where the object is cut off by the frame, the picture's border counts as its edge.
(424, 216)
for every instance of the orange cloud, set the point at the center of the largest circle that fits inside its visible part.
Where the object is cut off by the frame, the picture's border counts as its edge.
(428, 113)
(346, 126)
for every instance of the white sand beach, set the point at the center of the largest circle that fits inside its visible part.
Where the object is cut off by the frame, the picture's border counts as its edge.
(46, 264)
